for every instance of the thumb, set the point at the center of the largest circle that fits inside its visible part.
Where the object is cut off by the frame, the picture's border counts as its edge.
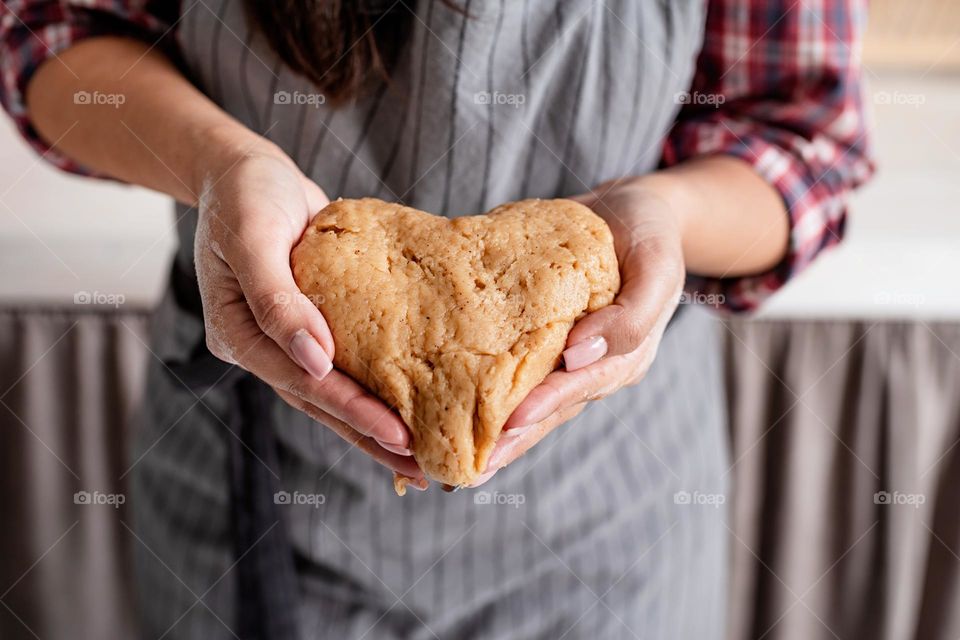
(652, 282)
(315, 196)
(281, 310)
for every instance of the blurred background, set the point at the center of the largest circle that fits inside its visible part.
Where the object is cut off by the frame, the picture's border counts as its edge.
(844, 392)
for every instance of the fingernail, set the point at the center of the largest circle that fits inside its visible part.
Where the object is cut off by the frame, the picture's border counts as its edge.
(497, 457)
(419, 485)
(500, 456)
(584, 353)
(310, 355)
(400, 451)
(518, 431)
(482, 479)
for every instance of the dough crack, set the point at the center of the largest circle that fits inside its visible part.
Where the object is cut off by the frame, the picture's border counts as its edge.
(454, 320)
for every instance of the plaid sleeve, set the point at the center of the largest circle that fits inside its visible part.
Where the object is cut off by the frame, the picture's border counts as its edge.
(33, 31)
(778, 85)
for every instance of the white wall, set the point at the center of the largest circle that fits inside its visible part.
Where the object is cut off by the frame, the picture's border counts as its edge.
(901, 256)
(60, 235)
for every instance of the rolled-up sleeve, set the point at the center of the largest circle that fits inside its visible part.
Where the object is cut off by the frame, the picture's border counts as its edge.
(33, 31)
(778, 84)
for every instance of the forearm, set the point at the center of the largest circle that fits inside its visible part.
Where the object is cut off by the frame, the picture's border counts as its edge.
(732, 222)
(151, 126)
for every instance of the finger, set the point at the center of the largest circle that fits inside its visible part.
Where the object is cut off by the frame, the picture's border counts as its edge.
(591, 197)
(316, 198)
(563, 389)
(405, 465)
(483, 479)
(233, 335)
(509, 449)
(337, 394)
(652, 281)
(281, 310)
(227, 320)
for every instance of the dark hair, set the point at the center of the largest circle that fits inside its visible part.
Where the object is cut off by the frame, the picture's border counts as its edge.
(339, 45)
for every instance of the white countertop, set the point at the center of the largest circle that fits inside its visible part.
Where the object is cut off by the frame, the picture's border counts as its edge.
(62, 236)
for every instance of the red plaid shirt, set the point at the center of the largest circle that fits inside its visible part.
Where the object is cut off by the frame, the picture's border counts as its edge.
(778, 85)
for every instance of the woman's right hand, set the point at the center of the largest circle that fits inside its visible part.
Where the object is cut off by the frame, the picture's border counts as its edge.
(252, 211)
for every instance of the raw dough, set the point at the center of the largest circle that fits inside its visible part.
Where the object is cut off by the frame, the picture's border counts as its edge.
(453, 321)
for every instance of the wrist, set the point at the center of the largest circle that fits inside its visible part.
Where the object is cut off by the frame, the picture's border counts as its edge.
(679, 202)
(674, 197)
(224, 146)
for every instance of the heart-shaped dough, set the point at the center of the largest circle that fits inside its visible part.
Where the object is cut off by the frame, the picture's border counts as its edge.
(453, 321)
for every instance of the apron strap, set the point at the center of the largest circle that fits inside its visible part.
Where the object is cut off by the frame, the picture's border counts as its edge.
(267, 589)
(267, 586)
(267, 576)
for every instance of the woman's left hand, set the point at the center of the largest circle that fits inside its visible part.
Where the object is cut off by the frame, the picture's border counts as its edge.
(616, 345)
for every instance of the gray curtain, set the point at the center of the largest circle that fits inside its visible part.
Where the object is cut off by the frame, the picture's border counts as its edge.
(846, 509)
(846, 479)
(68, 383)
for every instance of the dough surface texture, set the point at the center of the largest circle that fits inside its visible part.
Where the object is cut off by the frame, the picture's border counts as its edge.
(453, 321)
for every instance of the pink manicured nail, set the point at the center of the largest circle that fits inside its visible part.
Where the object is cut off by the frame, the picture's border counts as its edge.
(518, 431)
(400, 451)
(310, 355)
(501, 454)
(584, 353)
(479, 481)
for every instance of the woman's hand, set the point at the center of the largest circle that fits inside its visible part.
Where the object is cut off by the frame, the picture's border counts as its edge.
(253, 209)
(614, 346)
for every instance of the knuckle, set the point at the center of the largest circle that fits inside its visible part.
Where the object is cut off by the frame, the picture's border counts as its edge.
(640, 369)
(273, 311)
(589, 392)
(572, 412)
(633, 331)
(664, 251)
(307, 388)
(314, 413)
(598, 392)
(293, 401)
(213, 346)
(299, 386)
(298, 403)
(220, 349)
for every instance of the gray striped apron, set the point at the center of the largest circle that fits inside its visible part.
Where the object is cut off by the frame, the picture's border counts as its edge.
(612, 527)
